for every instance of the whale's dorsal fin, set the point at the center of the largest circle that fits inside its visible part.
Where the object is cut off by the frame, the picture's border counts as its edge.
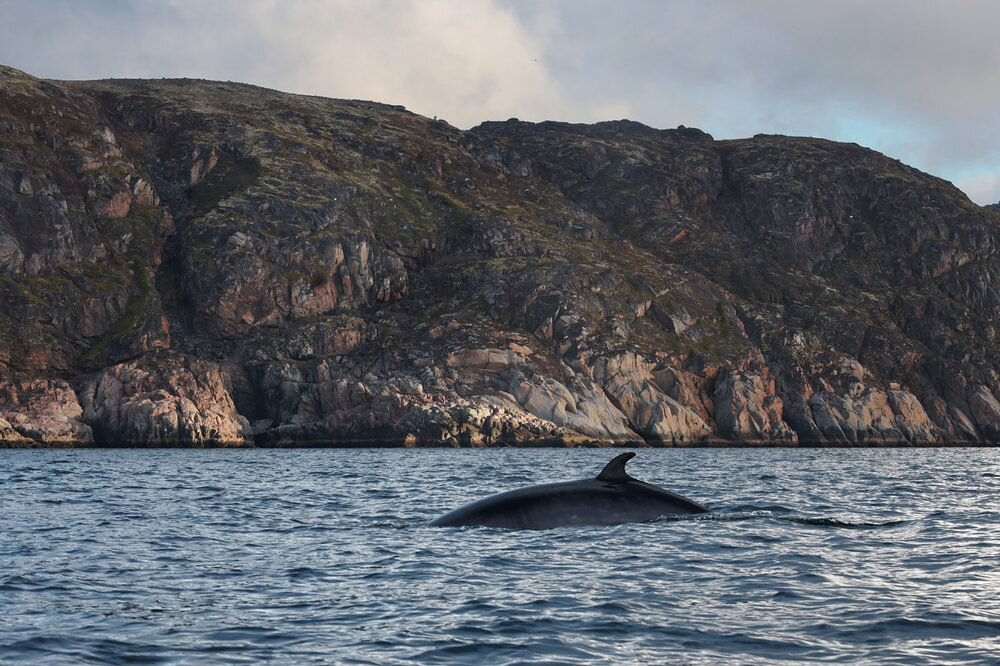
(614, 471)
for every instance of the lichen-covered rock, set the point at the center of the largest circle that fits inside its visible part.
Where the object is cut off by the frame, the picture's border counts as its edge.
(11, 257)
(486, 360)
(491, 421)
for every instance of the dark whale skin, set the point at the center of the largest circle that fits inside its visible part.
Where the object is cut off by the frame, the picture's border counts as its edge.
(612, 498)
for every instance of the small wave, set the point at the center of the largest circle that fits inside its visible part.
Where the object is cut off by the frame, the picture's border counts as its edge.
(833, 522)
(734, 516)
(471, 652)
(672, 518)
(750, 512)
(305, 573)
(753, 508)
(16, 583)
(249, 634)
(102, 651)
(392, 524)
(925, 629)
(785, 594)
(51, 528)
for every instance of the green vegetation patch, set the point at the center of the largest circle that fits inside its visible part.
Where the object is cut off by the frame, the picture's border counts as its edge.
(229, 177)
(138, 306)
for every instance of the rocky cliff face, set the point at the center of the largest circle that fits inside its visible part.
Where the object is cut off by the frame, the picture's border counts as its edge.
(197, 263)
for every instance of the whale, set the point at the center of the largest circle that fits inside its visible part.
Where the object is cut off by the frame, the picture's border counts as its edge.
(611, 498)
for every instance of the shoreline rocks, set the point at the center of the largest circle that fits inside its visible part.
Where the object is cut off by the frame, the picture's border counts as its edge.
(42, 412)
(172, 401)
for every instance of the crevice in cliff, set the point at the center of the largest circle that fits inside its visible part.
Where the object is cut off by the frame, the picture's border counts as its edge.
(177, 305)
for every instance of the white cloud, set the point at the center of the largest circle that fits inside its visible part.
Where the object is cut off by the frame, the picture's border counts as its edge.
(464, 61)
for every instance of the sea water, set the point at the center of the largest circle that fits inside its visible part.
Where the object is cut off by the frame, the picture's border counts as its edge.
(324, 556)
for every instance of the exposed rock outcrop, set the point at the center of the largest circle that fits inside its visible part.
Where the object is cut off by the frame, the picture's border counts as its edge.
(628, 381)
(41, 412)
(10, 437)
(747, 409)
(170, 402)
(216, 264)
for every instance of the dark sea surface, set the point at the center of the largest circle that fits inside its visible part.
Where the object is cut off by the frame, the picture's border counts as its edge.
(323, 556)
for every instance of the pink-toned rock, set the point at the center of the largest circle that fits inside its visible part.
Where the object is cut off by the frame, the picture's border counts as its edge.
(686, 388)
(746, 409)
(487, 360)
(143, 193)
(872, 416)
(176, 401)
(911, 418)
(9, 437)
(45, 411)
(203, 160)
(584, 409)
(628, 381)
(985, 411)
(118, 206)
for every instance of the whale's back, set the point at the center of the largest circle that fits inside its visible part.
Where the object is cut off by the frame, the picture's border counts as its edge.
(584, 502)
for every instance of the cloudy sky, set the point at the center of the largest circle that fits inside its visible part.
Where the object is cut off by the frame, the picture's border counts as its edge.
(916, 79)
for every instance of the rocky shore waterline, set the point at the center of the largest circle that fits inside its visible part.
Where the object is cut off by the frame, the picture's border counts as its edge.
(193, 263)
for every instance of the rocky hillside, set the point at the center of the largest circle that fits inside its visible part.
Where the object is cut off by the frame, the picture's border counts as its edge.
(198, 263)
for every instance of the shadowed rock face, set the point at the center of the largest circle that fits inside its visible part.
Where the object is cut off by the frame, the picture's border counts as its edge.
(197, 263)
